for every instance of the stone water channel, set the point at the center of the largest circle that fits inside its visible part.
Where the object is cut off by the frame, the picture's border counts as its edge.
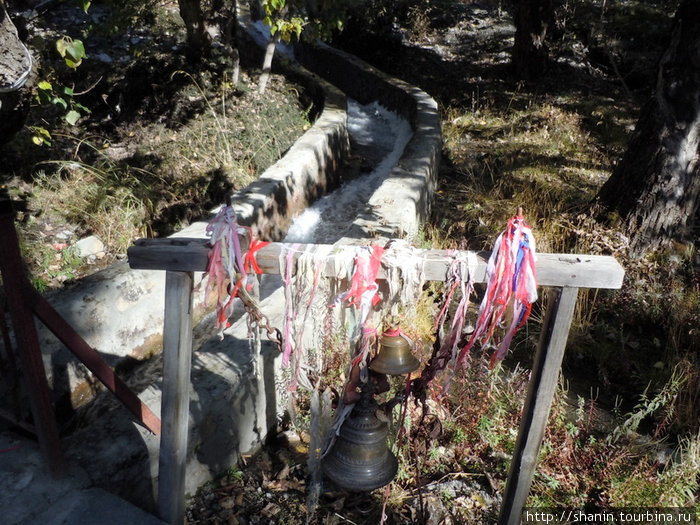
(377, 137)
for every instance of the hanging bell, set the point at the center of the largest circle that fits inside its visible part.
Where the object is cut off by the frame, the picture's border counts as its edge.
(395, 356)
(360, 459)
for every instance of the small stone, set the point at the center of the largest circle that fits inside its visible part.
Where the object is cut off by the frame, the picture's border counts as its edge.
(104, 57)
(227, 503)
(89, 246)
(24, 480)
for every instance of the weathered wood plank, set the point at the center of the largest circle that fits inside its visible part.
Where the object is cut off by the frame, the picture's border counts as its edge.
(175, 254)
(579, 271)
(540, 393)
(177, 359)
(565, 270)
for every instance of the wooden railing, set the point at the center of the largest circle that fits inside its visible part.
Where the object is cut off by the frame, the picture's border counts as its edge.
(24, 304)
(564, 274)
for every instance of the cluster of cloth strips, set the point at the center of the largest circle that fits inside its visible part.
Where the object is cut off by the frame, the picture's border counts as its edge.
(511, 289)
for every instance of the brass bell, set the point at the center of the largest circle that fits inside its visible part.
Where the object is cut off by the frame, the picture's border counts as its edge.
(395, 356)
(360, 459)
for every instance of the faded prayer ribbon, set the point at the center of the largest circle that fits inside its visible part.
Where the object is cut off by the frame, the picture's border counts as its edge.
(511, 281)
(228, 267)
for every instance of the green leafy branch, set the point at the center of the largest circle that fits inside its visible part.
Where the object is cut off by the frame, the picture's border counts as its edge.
(292, 18)
(71, 50)
(62, 97)
(276, 12)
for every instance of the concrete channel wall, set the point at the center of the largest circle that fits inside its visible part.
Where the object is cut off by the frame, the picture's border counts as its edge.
(120, 311)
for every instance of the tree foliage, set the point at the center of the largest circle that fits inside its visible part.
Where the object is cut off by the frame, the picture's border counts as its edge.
(288, 20)
(285, 19)
(294, 19)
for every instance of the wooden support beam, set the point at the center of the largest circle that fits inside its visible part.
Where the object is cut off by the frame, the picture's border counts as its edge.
(91, 359)
(24, 303)
(553, 269)
(16, 288)
(175, 407)
(540, 393)
(175, 254)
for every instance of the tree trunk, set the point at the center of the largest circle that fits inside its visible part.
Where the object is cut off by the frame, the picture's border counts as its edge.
(255, 9)
(16, 76)
(197, 38)
(530, 55)
(236, 58)
(655, 187)
(267, 63)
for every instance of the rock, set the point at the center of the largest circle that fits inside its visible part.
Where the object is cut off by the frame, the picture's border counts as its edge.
(227, 503)
(63, 235)
(89, 246)
(104, 57)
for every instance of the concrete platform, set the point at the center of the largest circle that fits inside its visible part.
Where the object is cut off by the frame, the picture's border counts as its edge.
(94, 507)
(30, 496)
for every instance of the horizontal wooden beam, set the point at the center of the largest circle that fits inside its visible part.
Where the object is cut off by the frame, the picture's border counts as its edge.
(176, 254)
(553, 269)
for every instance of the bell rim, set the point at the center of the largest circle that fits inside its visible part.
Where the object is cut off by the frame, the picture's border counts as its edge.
(361, 483)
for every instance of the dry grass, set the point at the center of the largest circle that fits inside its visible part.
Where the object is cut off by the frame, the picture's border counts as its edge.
(161, 141)
(152, 179)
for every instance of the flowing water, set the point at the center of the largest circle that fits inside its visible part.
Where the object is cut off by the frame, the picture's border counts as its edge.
(379, 136)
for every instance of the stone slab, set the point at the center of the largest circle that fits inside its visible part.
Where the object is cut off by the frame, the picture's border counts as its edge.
(95, 507)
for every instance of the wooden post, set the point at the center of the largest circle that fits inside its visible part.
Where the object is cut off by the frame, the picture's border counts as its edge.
(541, 389)
(10, 374)
(177, 363)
